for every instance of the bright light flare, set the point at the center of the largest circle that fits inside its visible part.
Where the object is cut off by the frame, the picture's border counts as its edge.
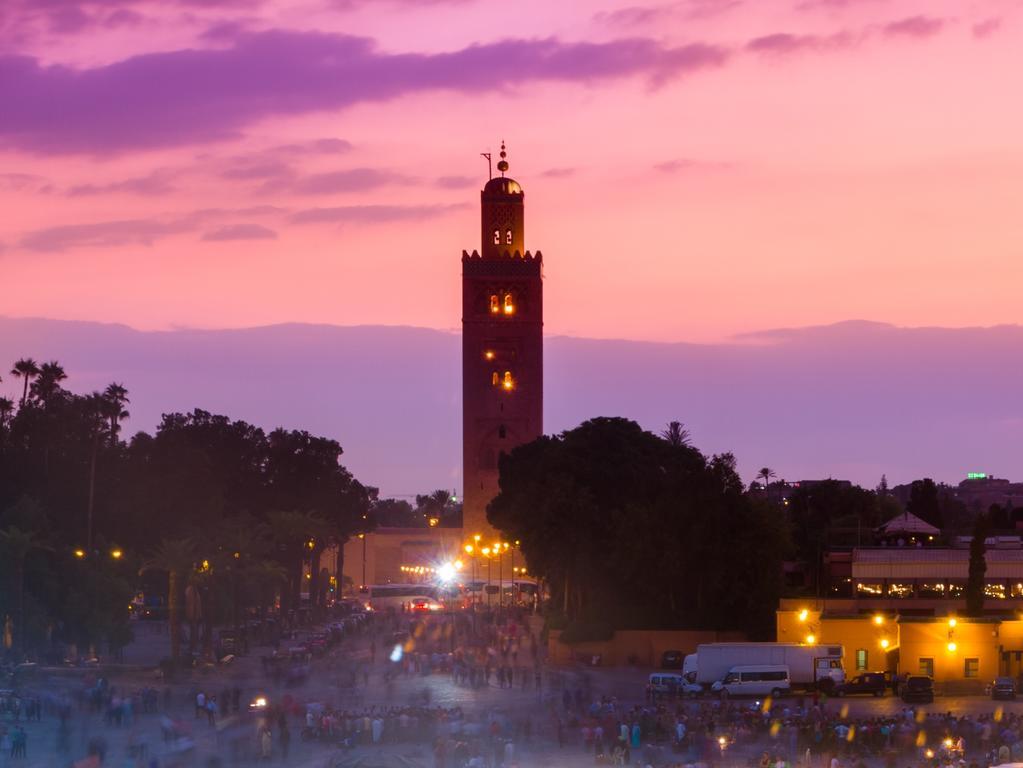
(396, 654)
(446, 573)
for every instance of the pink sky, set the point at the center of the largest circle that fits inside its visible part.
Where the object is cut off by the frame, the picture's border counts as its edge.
(693, 168)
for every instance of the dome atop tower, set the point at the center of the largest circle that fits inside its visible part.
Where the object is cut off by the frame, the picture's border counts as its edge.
(502, 185)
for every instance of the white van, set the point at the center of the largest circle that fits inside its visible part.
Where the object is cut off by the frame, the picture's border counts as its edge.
(671, 684)
(755, 680)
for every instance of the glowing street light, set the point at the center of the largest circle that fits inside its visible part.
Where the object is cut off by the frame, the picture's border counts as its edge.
(116, 554)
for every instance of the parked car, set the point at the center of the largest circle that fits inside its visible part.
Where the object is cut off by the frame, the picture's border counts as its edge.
(1003, 688)
(917, 688)
(872, 683)
(756, 680)
(672, 659)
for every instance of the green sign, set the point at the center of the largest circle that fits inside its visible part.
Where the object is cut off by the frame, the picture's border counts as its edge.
(976, 475)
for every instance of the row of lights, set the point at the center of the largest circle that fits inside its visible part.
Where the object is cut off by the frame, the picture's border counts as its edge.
(878, 620)
(117, 554)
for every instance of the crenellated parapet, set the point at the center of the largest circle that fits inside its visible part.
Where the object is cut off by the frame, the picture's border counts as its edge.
(505, 264)
(503, 256)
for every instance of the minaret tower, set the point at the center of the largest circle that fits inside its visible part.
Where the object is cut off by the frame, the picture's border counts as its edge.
(502, 345)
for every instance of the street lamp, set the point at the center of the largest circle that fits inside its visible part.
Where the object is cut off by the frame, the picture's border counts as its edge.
(486, 554)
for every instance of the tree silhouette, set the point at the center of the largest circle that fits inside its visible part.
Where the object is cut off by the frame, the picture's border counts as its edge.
(766, 473)
(977, 568)
(25, 369)
(676, 434)
(115, 397)
(47, 383)
(176, 558)
(17, 544)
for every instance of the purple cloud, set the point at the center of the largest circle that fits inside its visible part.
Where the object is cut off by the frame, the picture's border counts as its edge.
(684, 164)
(986, 28)
(240, 232)
(351, 180)
(247, 171)
(156, 183)
(914, 26)
(371, 214)
(783, 43)
(102, 234)
(558, 173)
(457, 182)
(195, 96)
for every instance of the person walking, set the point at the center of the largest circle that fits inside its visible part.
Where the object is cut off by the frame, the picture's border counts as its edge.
(265, 743)
(284, 736)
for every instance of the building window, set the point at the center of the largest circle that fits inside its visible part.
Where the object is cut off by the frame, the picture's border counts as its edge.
(926, 667)
(1016, 590)
(971, 668)
(502, 433)
(495, 378)
(508, 382)
(509, 304)
(995, 591)
(956, 591)
(931, 589)
(865, 590)
(861, 659)
(508, 237)
(489, 355)
(495, 304)
(900, 590)
(497, 237)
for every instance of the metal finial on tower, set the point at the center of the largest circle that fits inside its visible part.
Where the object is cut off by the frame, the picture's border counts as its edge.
(502, 165)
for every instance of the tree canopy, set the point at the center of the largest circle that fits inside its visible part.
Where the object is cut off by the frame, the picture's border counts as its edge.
(633, 530)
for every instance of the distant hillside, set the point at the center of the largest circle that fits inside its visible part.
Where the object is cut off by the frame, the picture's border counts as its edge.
(851, 400)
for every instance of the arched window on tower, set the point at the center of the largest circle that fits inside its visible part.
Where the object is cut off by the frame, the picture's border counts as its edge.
(497, 237)
(508, 237)
(509, 304)
(495, 379)
(495, 304)
(508, 382)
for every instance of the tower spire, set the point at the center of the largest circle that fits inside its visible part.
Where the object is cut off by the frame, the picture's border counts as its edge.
(502, 165)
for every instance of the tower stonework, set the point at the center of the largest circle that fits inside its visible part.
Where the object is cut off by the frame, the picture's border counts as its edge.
(502, 346)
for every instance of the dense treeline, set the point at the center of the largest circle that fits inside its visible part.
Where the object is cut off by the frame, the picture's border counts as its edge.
(218, 514)
(632, 530)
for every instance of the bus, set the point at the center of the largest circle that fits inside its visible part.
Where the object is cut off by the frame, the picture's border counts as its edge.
(382, 597)
(518, 591)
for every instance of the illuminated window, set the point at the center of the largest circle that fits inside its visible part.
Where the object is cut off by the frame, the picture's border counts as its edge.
(495, 304)
(509, 304)
(926, 667)
(495, 379)
(900, 590)
(1016, 590)
(508, 237)
(861, 659)
(996, 591)
(497, 237)
(488, 355)
(502, 432)
(865, 589)
(971, 667)
(508, 382)
(956, 591)
(931, 589)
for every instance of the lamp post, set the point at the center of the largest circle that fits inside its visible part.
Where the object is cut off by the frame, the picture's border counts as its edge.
(486, 554)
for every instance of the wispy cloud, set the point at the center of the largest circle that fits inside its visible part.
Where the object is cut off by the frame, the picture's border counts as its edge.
(914, 26)
(558, 173)
(212, 95)
(784, 43)
(688, 164)
(371, 214)
(986, 28)
(153, 184)
(240, 232)
(102, 234)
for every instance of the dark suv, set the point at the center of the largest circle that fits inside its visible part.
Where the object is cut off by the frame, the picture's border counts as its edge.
(872, 683)
(919, 688)
(1003, 688)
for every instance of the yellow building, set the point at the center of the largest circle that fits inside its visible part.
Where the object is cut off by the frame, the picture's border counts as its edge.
(961, 654)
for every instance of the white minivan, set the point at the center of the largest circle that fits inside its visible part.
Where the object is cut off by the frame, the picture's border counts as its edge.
(755, 680)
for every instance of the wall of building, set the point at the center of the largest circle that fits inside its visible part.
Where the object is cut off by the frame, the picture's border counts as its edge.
(386, 550)
(642, 647)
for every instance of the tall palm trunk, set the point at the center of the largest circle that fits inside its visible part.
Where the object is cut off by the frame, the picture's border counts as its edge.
(24, 392)
(174, 615)
(92, 493)
(19, 592)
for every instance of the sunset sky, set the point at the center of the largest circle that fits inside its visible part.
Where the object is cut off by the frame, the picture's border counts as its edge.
(694, 169)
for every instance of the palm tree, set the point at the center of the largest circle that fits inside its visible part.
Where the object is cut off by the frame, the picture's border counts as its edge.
(96, 414)
(115, 397)
(677, 435)
(47, 384)
(25, 369)
(176, 558)
(766, 473)
(17, 544)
